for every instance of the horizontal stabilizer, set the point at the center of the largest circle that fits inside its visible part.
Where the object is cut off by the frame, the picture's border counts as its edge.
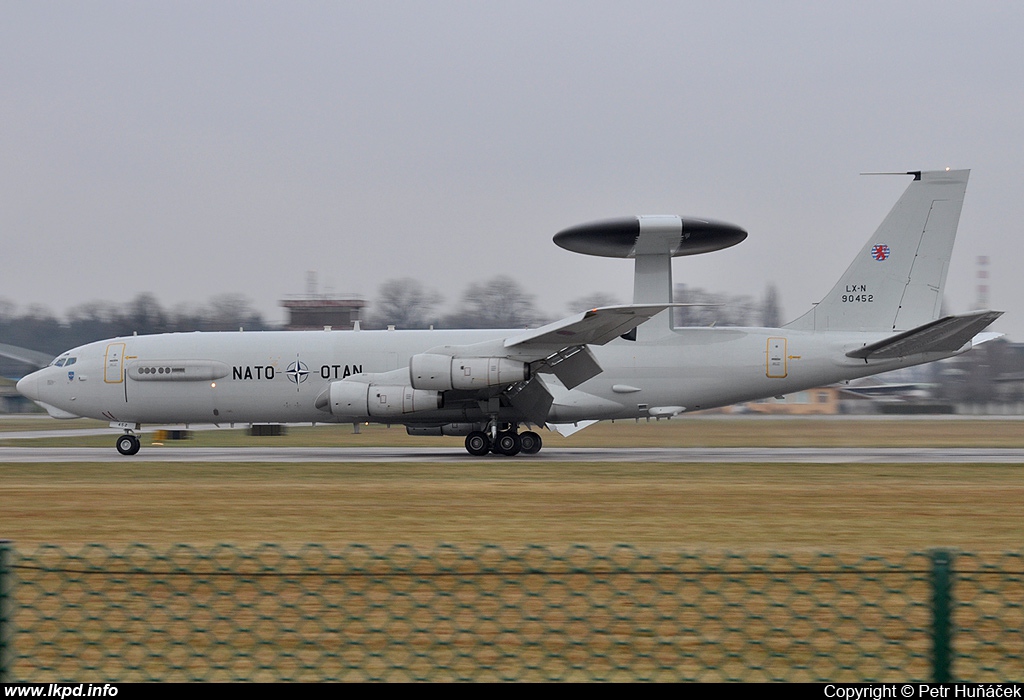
(947, 334)
(594, 327)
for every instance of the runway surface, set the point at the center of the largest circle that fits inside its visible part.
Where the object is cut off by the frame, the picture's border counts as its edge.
(679, 455)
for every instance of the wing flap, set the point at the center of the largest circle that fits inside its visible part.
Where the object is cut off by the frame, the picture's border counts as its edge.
(594, 327)
(572, 366)
(946, 334)
(532, 399)
(567, 429)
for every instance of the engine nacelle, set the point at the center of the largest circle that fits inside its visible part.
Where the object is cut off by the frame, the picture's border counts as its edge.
(444, 372)
(347, 398)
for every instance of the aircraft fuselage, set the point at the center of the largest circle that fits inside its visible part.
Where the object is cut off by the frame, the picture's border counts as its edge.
(276, 376)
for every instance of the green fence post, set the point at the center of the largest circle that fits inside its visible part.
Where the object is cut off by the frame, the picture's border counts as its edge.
(942, 616)
(6, 611)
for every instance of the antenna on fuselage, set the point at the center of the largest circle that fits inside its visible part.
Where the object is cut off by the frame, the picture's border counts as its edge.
(652, 241)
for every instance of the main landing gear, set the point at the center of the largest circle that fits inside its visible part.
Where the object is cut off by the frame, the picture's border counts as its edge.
(506, 442)
(128, 444)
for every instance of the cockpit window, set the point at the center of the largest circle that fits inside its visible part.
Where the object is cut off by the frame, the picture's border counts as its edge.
(71, 361)
(61, 361)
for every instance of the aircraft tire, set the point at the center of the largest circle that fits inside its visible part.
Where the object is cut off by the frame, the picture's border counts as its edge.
(477, 443)
(128, 445)
(531, 442)
(508, 443)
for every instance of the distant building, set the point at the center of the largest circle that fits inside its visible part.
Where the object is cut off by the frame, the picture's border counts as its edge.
(313, 311)
(861, 396)
(308, 313)
(988, 379)
(821, 401)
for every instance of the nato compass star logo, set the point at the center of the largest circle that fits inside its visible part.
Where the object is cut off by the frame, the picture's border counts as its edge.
(297, 373)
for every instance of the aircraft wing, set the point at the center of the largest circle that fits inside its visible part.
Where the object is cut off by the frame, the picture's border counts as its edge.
(946, 334)
(30, 357)
(594, 327)
(559, 348)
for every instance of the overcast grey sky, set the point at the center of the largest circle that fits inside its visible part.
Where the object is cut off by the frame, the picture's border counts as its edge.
(194, 148)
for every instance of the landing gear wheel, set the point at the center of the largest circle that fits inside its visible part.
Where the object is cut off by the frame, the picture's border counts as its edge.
(531, 442)
(508, 444)
(128, 445)
(477, 443)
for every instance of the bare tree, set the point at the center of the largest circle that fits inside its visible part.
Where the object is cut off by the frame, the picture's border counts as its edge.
(228, 312)
(498, 303)
(37, 329)
(7, 309)
(95, 320)
(703, 314)
(771, 311)
(713, 309)
(591, 301)
(188, 316)
(145, 315)
(94, 312)
(405, 303)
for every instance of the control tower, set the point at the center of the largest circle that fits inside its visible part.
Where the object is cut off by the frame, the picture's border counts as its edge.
(314, 311)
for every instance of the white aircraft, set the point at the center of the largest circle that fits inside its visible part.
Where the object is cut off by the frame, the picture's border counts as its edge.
(614, 362)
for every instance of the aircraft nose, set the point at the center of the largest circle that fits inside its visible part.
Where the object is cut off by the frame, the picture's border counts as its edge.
(28, 386)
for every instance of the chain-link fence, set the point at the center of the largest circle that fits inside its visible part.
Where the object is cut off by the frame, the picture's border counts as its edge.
(487, 613)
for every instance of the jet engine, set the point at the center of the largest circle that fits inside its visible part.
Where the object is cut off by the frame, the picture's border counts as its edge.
(444, 372)
(348, 398)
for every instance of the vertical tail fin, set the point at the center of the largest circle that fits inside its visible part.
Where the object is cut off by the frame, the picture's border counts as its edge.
(895, 283)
